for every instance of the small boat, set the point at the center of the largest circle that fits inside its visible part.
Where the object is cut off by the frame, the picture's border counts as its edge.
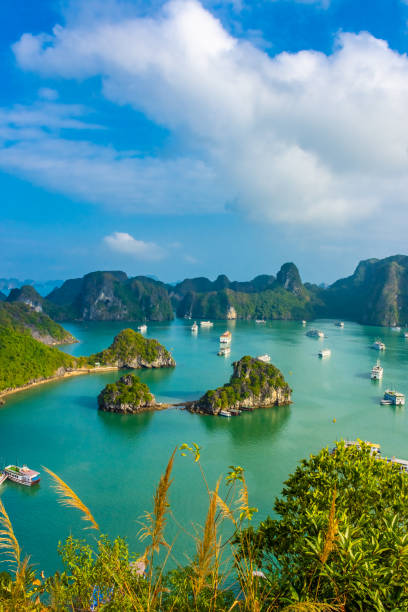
(396, 398)
(206, 323)
(265, 358)
(324, 353)
(142, 329)
(260, 321)
(225, 413)
(315, 333)
(304, 323)
(224, 351)
(396, 328)
(377, 371)
(225, 338)
(339, 324)
(378, 345)
(405, 334)
(194, 327)
(22, 475)
(3, 477)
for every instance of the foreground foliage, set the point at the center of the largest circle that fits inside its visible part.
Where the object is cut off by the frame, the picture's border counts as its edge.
(340, 542)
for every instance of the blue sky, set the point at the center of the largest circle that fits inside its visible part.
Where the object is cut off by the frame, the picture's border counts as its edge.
(188, 138)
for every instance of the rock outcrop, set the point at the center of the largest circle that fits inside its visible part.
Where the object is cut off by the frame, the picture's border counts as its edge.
(132, 350)
(253, 384)
(110, 296)
(127, 396)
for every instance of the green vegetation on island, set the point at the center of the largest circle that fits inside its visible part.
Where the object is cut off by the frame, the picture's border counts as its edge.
(338, 543)
(22, 317)
(253, 384)
(132, 350)
(128, 395)
(24, 360)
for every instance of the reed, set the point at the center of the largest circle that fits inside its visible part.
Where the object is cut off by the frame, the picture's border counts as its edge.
(70, 499)
(8, 542)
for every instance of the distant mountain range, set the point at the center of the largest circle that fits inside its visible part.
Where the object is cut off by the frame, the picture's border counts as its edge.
(43, 287)
(376, 294)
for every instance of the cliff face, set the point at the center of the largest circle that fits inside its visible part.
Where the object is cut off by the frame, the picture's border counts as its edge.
(131, 350)
(127, 396)
(253, 384)
(110, 296)
(265, 297)
(27, 295)
(376, 294)
(22, 315)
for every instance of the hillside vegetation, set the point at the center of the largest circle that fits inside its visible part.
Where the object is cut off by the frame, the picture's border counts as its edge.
(22, 317)
(337, 543)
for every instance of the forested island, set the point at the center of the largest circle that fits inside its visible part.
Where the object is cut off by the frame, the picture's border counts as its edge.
(127, 396)
(253, 384)
(26, 358)
(376, 294)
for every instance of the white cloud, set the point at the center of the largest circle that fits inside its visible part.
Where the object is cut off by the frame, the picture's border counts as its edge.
(124, 243)
(294, 138)
(47, 94)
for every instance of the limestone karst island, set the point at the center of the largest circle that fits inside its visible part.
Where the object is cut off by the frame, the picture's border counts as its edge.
(203, 306)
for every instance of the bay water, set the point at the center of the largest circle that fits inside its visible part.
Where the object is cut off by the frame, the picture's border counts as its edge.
(113, 462)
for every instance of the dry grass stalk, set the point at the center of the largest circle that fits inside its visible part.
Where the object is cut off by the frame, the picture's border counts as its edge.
(332, 530)
(156, 520)
(207, 553)
(226, 510)
(8, 540)
(311, 606)
(71, 499)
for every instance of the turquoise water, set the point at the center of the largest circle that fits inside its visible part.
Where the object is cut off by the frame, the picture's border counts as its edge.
(113, 462)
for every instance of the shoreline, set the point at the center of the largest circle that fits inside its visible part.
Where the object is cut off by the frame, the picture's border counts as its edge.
(44, 381)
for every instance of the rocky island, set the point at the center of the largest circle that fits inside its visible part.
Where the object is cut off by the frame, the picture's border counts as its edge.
(127, 396)
(132, 350)
(253, 384)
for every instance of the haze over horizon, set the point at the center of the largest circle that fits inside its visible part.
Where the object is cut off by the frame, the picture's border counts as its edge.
(181, 138)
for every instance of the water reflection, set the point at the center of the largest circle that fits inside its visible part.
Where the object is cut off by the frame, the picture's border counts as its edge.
(125, 425)
(263, 423)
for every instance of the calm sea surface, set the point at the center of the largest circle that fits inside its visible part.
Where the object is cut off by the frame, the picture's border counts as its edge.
(113, 462)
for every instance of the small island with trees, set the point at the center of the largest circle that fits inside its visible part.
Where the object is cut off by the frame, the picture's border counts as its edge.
(253, 384)
(127, 396)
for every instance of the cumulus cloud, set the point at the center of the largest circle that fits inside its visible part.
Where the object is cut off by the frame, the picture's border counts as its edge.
(294, 138)
(121, 242)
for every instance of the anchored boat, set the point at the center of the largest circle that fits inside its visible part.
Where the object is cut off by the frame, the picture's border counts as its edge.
(225, 338)
(324, 353)
(339, 324)
(194, 327)
(224, 351)
(265, 358)
(3, 477)
(315, 333)
(142, 329)
(377, 371)
(206, 323)
(378, 345)
(22, 475)
(393, 398)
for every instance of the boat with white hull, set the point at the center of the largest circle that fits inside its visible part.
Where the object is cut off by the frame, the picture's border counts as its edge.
(22, 475)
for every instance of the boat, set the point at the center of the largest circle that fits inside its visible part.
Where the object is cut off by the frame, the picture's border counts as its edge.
(315, 333)
(260, 321)
(142, 329)
(324, 353)
(396, 398)
(194, 327)
(225, 338)
(224, 351)
(22, 475)
(339, 324)
(377, 371)
(304, 323)
(375, 449)
(3, 477)
(405, 334)
(265, 358)
(206, 323)
(378, 345)
(225, 413)
(396, 328)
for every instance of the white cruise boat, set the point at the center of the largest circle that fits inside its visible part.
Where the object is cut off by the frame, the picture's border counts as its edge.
(224, 351)
(304, 323)
(142, 329)
(377, 371)
(225, 413)
(324, 353)
(206, 323)
(265, 358)
(339, 324)
(315, 333)
(22, 475)
(260, 321)
(194, 327)
(406, 335)
(396, 328)
(225, 338)
(378, 345)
